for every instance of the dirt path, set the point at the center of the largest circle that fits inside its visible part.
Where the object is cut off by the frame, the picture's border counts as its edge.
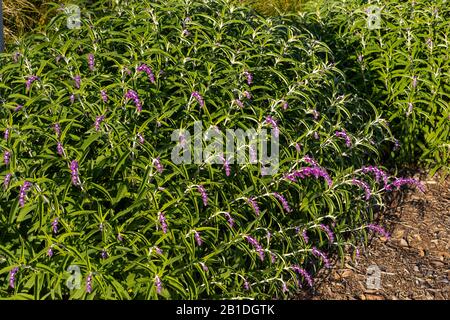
(413, 264)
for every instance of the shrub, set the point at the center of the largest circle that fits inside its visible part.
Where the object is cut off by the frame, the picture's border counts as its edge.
(88, 115)
(401, 67)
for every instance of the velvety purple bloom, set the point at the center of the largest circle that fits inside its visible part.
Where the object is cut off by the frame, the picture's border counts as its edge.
(55, 225)
(30, 81)
(72, 98)
(162, 221)
(198, 97)
(285, 105)
(303, 273)
(226, 166)
(119, 237)
(98, 122)
(6, 157)
(140, 138)
(50, 252)
(284, 288)
(328, 231)
(204, 195)
(256, 245)
(89, 283)
(247, 95)
(398, 182)
(364, 186)
(273, 257)
(143, 67)
(198, 238)
(310, 160)
(158, 165)
(249, 77)
(310, 171)
(77, 80)
(298, 147)
(158, 250)
(379, 173)
(60, 149)
(357, 252)
(254, 205)
(343, 134)
(246, 285)
(185, 33)
(57, 129)
(7, 180)
(18, 108)
(322, 256)
(283, 202)
(378, 229)
(6, 134)
(104, 254)
(12, 276)
(23, 192)
(158, 284)
(229, 219)
(272, 122)
(74, 172)
(91, 61)
(104, 96)
(132, 95)
(239, 103)
(316, 114)
(316, 135)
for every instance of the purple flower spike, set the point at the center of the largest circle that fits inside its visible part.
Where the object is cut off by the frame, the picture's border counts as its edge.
(284, 288)
(229, 219)
(198, 97)
(283, 202)
(119, 237)
(50, 252)
(140, 138)
(327, 230)
(247, 95)
(7, 181)
(18, 108)
(74, 172)
(256, 245)
(198, 238)
(104, 254)
(272, 122)
(343, 134)
(226, 166)
(316, 114)
(158, 284)
(378, 229)
(98, 122)
(60, 149)
(204, 195)
(364, 186)
(12, 276)
(310, 171)
(91, 61)
(239, 103)
(158, 165)
(104, 96)
(6, 134)
(30, 81)
(322, 256)
(249, 77)
(89, 283)
(405, 181)
(273, 257)
(162, 221)
(55, 225)
(285, 105)
(23, 192)
(77, 80)
(305, 236)
(143, 67)
(298, 148)
(303, 273)
(132, 95)
(254, 205)
(246, 285)
(57, 129)
(6, 157)
(72, 98)
(204, 267)
(379, 173)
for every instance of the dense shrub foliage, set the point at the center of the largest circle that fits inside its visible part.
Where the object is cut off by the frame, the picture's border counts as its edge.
(87, 117)
(403, 67)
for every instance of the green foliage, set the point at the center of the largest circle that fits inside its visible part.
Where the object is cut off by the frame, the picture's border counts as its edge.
(110, 225)
(402, 67)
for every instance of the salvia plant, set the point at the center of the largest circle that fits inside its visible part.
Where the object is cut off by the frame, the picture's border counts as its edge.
(92, 204)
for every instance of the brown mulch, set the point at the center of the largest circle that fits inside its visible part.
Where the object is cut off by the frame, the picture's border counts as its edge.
(413, 264)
